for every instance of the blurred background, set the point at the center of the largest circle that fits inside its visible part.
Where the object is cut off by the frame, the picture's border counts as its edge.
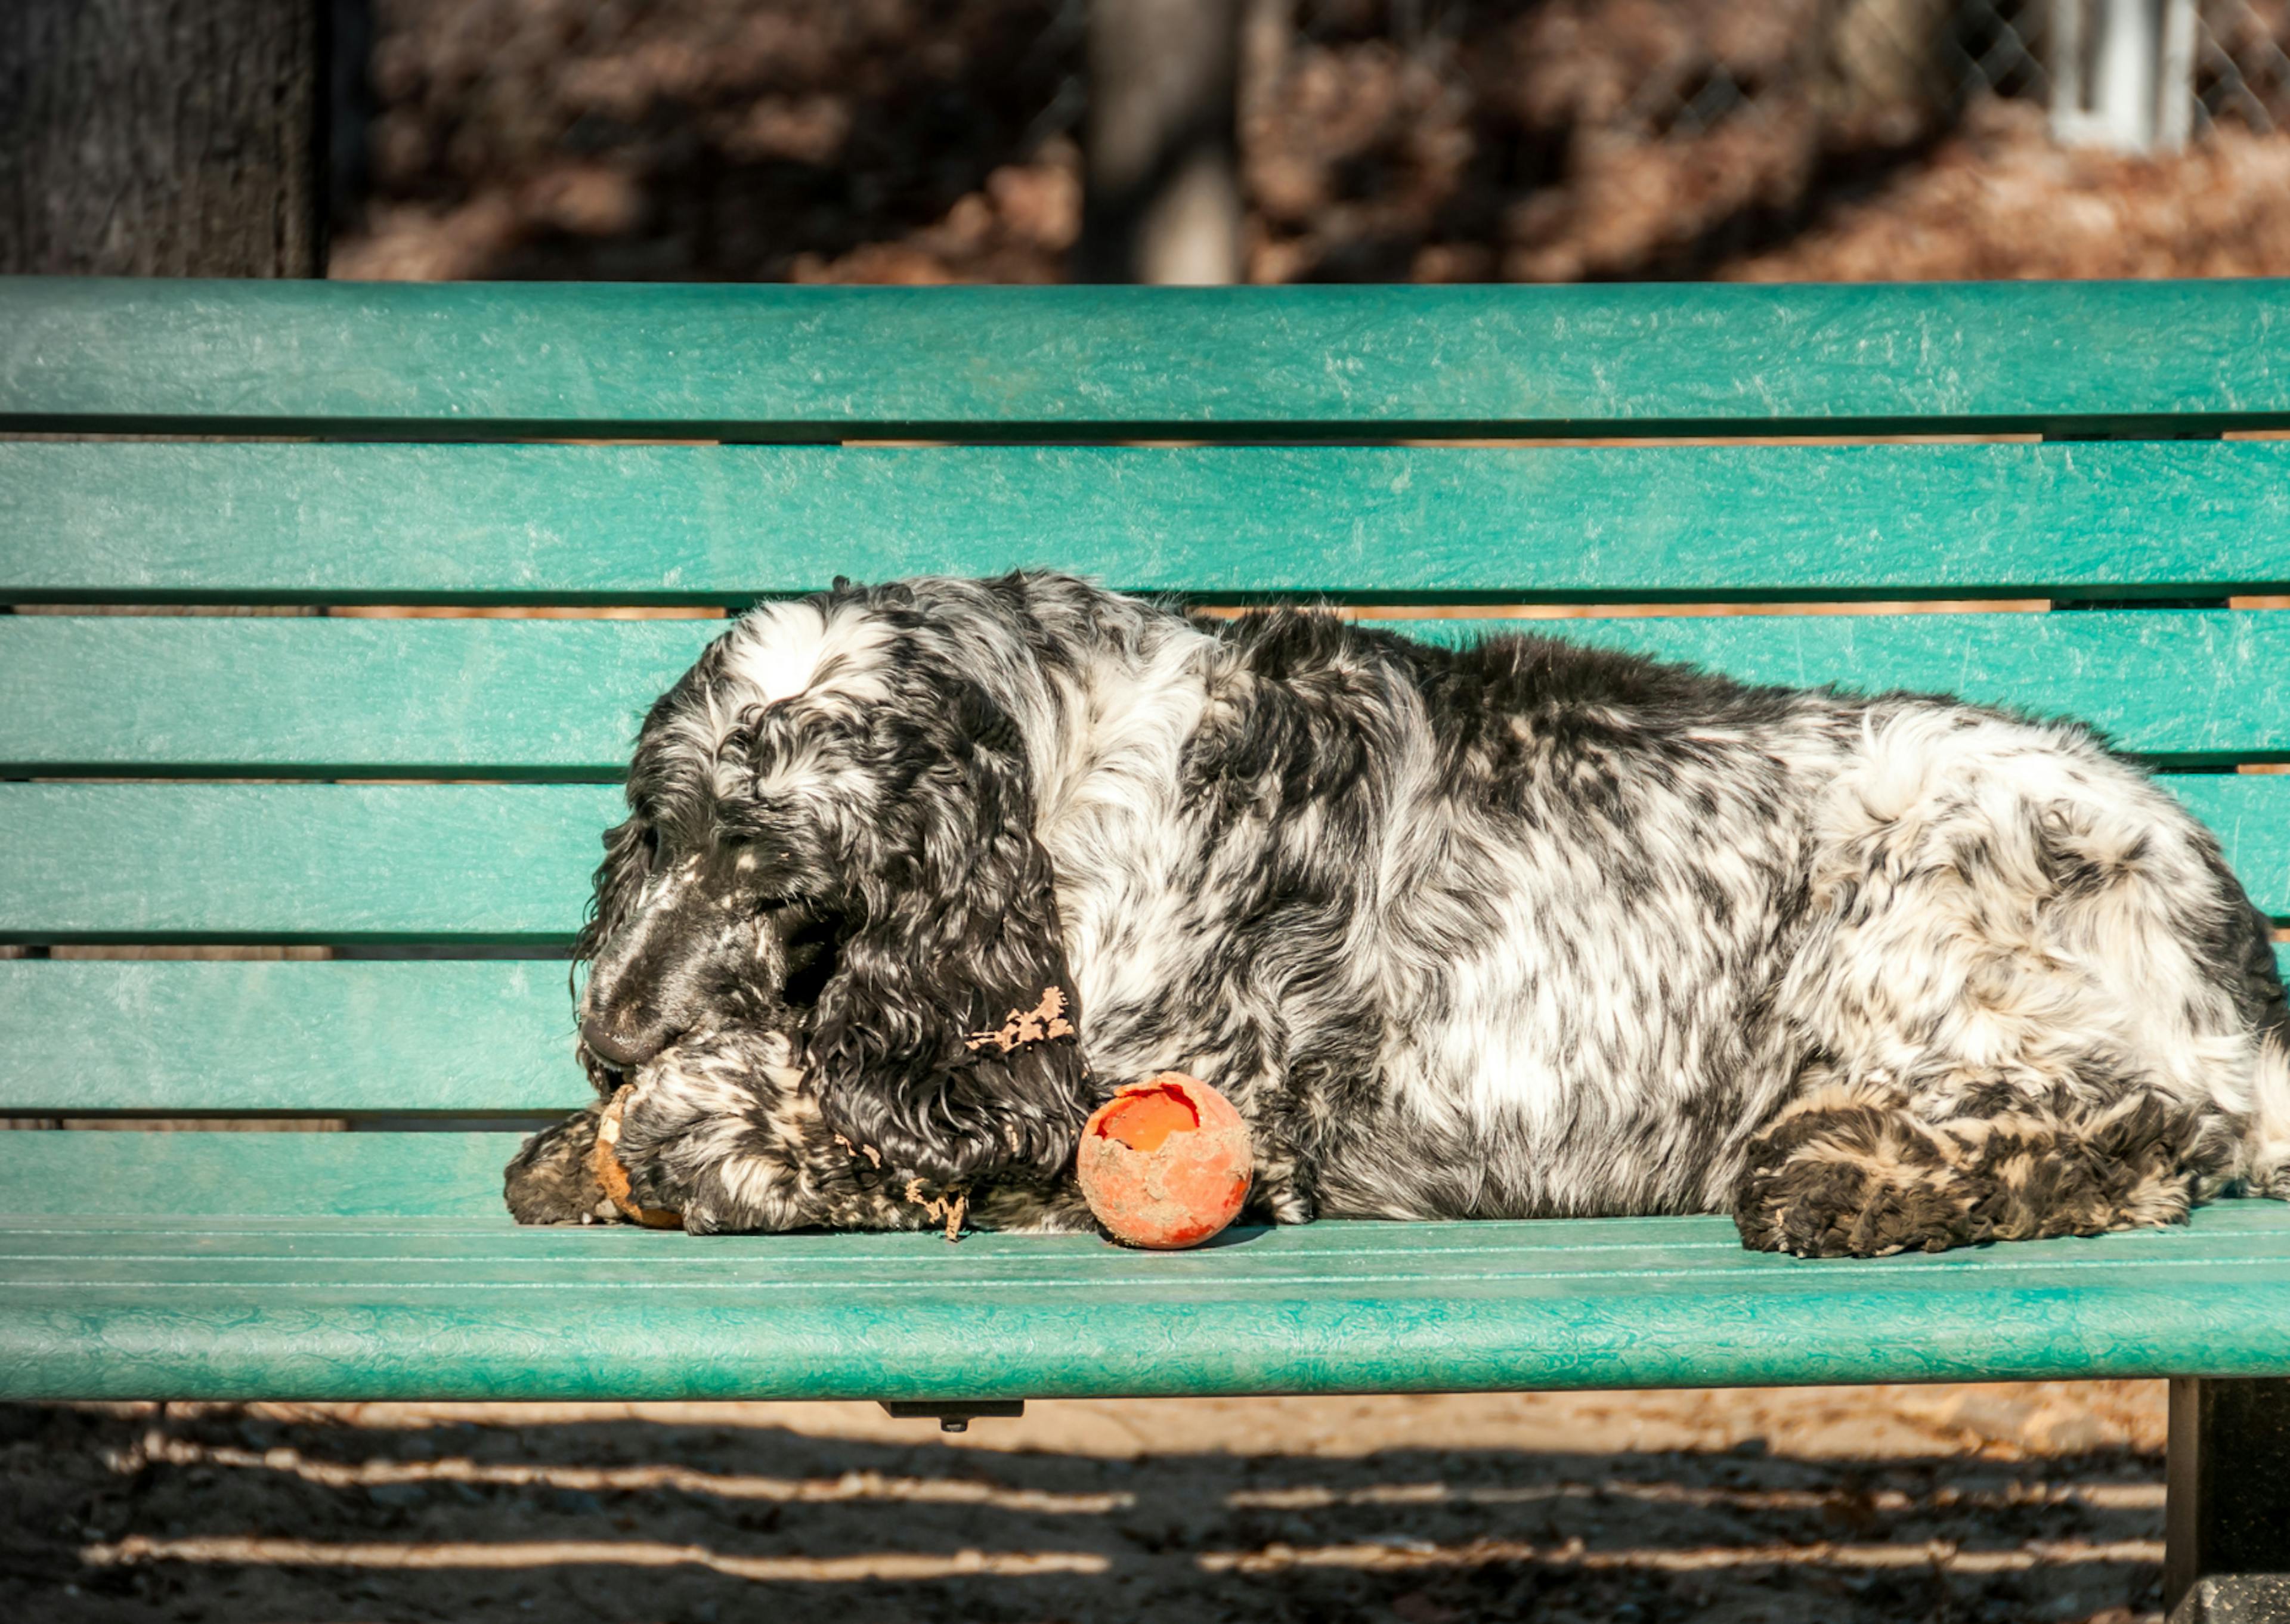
(1381, 140)
(1194, 140)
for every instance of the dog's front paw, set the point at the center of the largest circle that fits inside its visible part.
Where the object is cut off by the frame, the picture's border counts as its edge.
(1281, 1189)
(552, 1178)
(1281, 1202)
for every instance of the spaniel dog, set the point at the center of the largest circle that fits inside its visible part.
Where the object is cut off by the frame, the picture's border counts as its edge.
(914, 876)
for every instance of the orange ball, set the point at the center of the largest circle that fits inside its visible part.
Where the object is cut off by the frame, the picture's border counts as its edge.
(1166, 1162)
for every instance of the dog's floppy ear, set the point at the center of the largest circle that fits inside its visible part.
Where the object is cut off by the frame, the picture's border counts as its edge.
(946, 1038)
(615, 887)
(614, 890)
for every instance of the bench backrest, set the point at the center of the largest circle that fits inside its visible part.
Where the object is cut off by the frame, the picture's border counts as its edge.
(423, 796)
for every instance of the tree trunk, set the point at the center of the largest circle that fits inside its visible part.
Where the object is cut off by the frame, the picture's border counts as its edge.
(1162, 201)
(163, 138)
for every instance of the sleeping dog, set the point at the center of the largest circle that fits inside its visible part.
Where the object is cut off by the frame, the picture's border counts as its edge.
(1521, 929)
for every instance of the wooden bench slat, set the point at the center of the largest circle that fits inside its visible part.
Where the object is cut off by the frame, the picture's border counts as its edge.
(112, 1292)
(332, 698)
(291, 863)
(2178, 687)
(713, 525)
(90, 1182)
(563, 699)
(341, 1039)
(300, 863)
(236, 1250)
(492, 361)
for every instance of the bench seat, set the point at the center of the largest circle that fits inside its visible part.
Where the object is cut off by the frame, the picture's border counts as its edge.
(307, 1265)
(2096, 472)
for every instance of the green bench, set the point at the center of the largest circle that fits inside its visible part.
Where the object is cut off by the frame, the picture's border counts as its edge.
(424, 796)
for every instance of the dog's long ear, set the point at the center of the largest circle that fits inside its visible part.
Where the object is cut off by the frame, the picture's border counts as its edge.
(631, 848)
(615, 887)
(614, 890)
(946, 1038)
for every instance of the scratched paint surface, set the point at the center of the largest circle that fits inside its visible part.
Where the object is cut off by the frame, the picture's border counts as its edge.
(381, 1265)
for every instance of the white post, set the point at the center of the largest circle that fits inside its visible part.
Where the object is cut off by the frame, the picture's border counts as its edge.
(2123, 82)
(2138, 94)
(2175, 86)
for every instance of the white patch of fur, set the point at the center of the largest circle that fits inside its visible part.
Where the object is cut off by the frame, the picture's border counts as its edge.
(796, 651)
(1960, 961)
(2267, 1160)
(781, 650)
(1109, 806)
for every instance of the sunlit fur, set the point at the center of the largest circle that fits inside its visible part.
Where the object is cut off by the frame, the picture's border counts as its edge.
(1521, 929)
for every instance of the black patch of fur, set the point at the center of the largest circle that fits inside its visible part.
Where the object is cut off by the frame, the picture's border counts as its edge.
(954, 925)
(940, 903)
(2240, 951)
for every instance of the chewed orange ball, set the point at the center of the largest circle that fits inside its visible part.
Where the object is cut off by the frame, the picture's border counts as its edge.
(1166, 1162)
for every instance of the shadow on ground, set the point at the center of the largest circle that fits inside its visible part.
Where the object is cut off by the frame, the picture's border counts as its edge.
(135, 1513)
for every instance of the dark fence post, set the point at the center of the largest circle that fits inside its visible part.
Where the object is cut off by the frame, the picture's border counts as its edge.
(1161, 200)
(2227, 1558)
(163, 137)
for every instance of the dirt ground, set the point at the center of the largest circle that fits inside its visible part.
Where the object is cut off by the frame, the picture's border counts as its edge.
(1829, 1506)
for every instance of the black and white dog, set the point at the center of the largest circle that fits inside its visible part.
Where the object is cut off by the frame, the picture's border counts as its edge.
(1524, 930)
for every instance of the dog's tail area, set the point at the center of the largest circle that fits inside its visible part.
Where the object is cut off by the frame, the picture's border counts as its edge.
(2267, 1163)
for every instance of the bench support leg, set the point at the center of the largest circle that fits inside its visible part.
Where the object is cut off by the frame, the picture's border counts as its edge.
(2229, 1512)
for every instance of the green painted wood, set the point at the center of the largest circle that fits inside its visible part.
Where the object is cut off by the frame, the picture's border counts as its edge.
(114, 1179)
(484, 1249)
(714, 524)
(2178, 687)
(326, 1039)
(555, 699)
(499, 361)
(438, 1296)
(487, 863)
(344, 1039)
(299, 862)
(380, 1266)
(332, 698)
(2250, 814)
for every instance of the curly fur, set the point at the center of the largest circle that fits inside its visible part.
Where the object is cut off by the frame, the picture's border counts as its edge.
(1524, 929)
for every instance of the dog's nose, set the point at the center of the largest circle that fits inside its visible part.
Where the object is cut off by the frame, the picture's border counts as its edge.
(620, 1048)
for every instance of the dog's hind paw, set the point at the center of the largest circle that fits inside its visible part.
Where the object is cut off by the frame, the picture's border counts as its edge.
(1850, 1173)
(1833, 1210)
(1854, 1173)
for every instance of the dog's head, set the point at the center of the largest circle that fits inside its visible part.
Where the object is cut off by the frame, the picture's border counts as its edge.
(830, 831)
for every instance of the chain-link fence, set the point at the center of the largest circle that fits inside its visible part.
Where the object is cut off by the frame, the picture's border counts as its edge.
(2242, 68)
(2237, 72)
(1890, 65)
